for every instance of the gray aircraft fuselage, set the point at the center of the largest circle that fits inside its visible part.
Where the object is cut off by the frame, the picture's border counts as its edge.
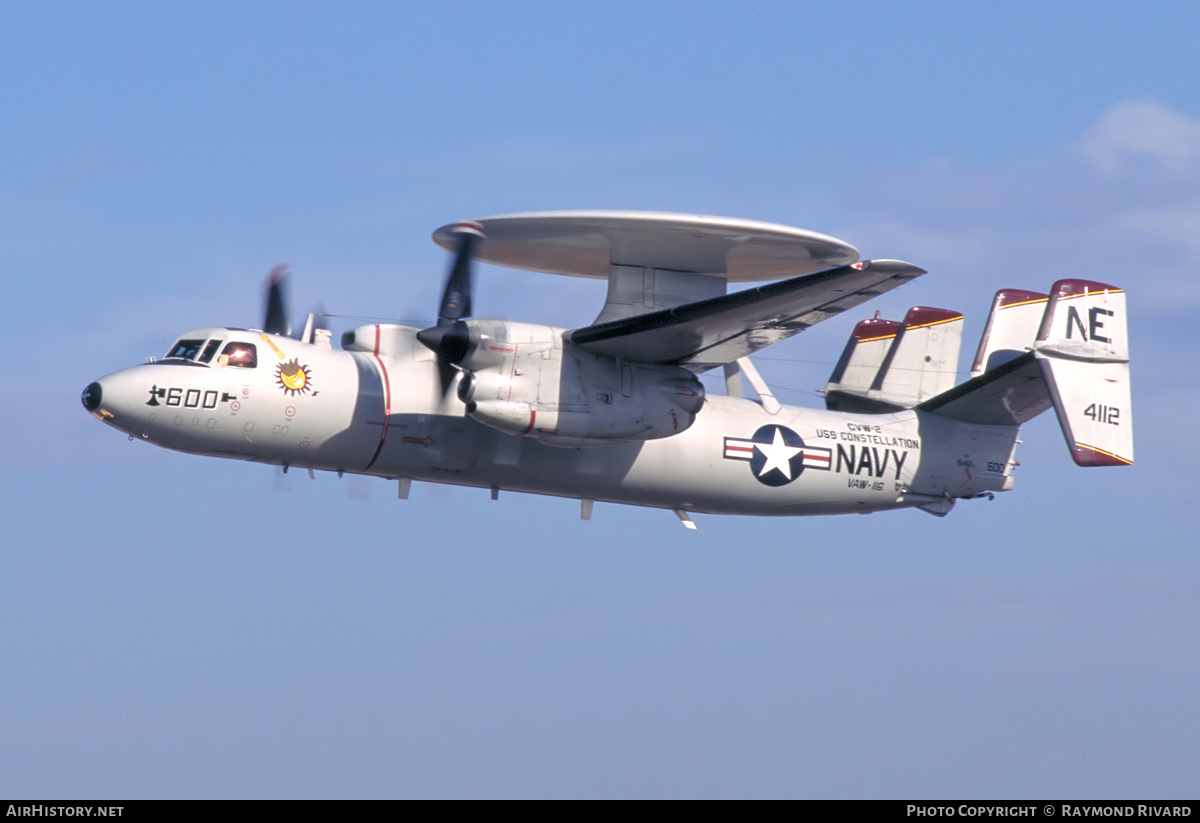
(381, 412)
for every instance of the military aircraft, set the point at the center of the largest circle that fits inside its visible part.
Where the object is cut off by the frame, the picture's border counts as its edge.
(614, 411)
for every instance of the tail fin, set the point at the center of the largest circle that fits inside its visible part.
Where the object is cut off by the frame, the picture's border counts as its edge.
(1078, 363)
(888, 366)
(856, 368)
(1083, 350)
(922, 360)
(1011, 328)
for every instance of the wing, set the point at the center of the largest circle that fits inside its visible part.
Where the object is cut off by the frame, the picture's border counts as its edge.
(709, 333)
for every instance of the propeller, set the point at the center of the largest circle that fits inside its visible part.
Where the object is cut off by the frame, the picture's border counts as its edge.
(276, 319)
(450, 339)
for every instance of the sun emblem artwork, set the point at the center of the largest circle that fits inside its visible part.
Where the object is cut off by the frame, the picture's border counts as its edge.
(293, 378)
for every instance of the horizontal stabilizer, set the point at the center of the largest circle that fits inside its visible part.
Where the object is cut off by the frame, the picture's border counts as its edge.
(1007, 395)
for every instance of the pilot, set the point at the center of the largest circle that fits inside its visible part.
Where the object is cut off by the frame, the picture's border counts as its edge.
(241, 355)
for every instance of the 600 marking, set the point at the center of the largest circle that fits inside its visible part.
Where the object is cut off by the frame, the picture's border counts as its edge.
(188, 398)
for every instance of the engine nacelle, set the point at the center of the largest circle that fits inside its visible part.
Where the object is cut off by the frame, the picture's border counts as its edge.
(538, 386)
(387, 339)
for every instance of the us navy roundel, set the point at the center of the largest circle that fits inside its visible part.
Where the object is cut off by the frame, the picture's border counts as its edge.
(777, 455)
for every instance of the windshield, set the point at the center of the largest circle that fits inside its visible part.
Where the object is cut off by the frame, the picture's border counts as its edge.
(185, 349)
(210, 350)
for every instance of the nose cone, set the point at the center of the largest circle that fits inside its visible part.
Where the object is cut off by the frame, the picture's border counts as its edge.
(91, 397)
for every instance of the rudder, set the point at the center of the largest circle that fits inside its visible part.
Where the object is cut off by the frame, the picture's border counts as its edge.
(1082, 349)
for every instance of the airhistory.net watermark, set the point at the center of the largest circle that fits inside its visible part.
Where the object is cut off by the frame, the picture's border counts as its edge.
(41, 810)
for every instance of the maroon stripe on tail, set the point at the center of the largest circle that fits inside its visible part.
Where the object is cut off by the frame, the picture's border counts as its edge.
(876, 328)
(1009, 297)
(925, 316)
(1087, 456)
(1074, 288)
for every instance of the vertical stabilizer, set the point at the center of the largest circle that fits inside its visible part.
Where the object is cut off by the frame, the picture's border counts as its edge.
(859, 364)
(1083, 350)
(1011, 328)
(860, 361)
(923, 358)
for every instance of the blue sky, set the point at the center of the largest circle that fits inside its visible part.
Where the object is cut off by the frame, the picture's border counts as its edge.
(181, 627)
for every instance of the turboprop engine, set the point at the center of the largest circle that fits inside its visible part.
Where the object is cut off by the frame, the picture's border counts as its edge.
(523, 379)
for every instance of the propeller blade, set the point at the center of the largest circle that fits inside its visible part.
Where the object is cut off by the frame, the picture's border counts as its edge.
(276, 319)
(456, 299)
(446, 375)
(450, 339)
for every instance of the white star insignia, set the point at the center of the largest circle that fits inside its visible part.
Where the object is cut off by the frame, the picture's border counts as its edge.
(779, 455)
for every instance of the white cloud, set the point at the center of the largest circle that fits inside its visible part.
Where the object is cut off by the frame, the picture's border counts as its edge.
(1137, 134)
(1122, 205)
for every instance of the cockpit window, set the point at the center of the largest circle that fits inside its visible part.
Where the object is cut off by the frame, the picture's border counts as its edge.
(210, 350)
(242, 355)
(186, 349)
